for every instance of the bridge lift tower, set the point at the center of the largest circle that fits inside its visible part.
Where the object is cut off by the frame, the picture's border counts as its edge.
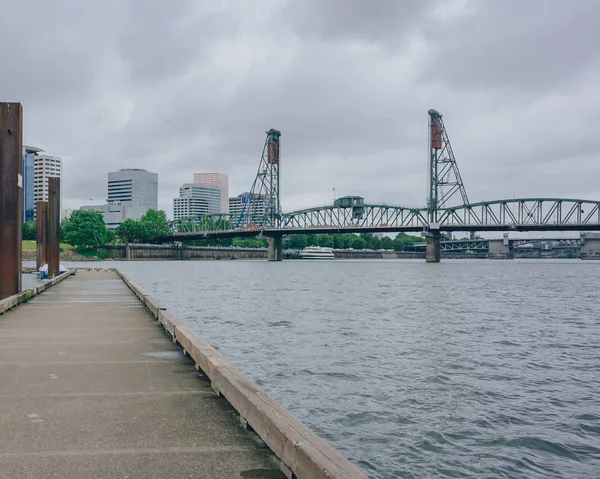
(262, 207)
(445, 182)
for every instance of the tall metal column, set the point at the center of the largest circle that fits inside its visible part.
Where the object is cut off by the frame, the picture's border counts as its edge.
(53, 226)
(444, 182)
(11, 197)
(262, 207)
(41, 235)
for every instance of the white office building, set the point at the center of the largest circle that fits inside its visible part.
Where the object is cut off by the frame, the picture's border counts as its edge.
(133, 185)
(131, 192)
(44, 166)
(218, 180)
(196, 200)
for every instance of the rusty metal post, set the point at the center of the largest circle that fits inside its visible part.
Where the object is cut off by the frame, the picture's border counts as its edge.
(41, 234)
(53, 226)
(11, 197)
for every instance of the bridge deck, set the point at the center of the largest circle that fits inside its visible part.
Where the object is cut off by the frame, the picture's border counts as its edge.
(91, 387)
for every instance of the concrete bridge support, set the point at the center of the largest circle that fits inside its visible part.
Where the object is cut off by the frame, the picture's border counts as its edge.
(275, 248)
(433, 248)
(500, 249)
(590, 246)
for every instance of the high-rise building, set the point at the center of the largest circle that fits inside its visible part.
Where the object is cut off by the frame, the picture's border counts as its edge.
(133, 185)
(29, 153)
(115, 213)
(237, 204)
(131, 192)
(218, 180)
(44, 166)
(197, 200)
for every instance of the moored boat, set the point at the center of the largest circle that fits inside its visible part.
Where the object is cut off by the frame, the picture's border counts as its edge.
(317, 252)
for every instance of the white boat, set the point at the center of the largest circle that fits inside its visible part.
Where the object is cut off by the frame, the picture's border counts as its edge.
(317, 252)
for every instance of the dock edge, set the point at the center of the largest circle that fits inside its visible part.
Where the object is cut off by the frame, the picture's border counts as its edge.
(302, 454)
(13, 301)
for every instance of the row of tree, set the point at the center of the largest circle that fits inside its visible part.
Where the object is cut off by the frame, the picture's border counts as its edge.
(338, 241)
(85, 229)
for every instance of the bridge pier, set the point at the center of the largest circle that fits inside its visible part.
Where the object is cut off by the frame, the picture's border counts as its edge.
(590, 246)
(433, 247)
(499, 249)
(275, 252)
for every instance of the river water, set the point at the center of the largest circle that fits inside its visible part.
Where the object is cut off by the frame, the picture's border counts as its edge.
(458, 369)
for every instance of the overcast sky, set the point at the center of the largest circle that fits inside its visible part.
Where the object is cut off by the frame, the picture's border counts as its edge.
(190, 86)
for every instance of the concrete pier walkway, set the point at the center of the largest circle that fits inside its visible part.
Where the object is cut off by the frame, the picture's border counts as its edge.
(91, 387)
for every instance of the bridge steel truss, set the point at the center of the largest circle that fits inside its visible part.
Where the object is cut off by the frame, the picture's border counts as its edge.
(521, 214)
(525, 214)
(368, 217)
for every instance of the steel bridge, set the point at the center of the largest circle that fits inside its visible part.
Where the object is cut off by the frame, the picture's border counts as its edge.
(525, 214)
(262, 215)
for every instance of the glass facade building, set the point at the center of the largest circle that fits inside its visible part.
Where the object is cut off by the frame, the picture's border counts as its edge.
(28, 183)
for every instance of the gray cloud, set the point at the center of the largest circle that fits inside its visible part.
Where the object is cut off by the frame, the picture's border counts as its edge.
(193, 87)
(534, 45)
(385, 21)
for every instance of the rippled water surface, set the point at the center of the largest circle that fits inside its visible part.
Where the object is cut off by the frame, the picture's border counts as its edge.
(461, 369)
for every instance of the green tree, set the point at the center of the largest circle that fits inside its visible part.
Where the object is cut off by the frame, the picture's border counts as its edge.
(358, 242)
(85, 229)
(402, 241)
(155, 223)
(132, 231)
(110, 237)
(387, 243)
(325, 240)
(29, 230)
(375, 243)
(64, 225)
(249, 243)
(296, 242)
(372, 241)
(339, 242)
(311, 240)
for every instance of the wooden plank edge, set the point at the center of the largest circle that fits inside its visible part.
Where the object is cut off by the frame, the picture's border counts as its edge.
(299, 449)
(13, 301)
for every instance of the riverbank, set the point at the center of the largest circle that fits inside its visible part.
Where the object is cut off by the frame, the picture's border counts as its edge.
(70, 255)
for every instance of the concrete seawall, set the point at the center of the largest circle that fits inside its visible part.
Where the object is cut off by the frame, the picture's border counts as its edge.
(133, 252)
(144, 252)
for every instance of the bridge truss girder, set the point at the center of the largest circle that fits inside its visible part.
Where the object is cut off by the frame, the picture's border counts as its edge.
(521, 214)
(525, 214)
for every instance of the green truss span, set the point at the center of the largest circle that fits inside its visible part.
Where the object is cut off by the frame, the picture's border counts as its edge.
(522, 214)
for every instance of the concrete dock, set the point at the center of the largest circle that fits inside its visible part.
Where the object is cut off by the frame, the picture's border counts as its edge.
(91, 386)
